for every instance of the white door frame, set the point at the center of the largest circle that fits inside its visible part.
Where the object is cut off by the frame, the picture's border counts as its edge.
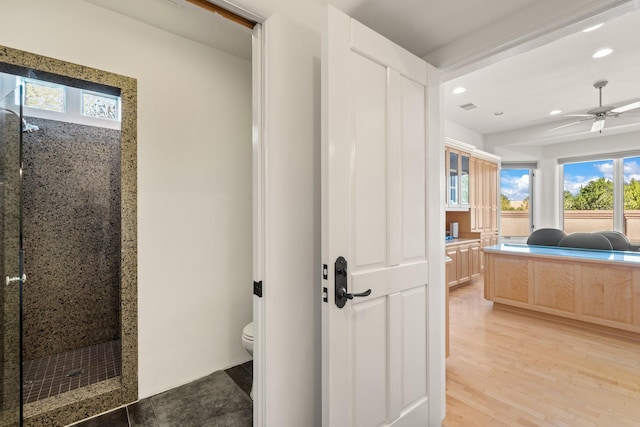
(258, 204)
(436, 366)
(257, 108)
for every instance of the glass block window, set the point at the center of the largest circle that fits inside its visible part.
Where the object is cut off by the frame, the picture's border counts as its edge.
(45, 96)
(100, 105)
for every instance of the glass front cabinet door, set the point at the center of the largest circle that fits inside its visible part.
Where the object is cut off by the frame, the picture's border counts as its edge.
(464, 180)
(457, 178)
(454, 178)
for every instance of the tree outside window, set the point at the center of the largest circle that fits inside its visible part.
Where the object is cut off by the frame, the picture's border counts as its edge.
(588, 196)
(589, 203)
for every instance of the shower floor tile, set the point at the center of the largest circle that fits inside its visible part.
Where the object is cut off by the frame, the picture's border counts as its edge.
(59, 373)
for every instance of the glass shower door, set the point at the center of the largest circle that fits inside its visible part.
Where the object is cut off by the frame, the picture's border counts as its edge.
(11, 265)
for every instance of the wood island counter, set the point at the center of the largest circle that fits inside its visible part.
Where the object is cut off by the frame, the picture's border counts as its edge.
(593, 288)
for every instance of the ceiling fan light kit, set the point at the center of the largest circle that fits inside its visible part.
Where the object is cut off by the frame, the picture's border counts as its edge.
(601, 112)
(598, 124)
(602, 53)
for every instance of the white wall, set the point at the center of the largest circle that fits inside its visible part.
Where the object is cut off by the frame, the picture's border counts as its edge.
(292, 213)
(460, 133)
(194, 179)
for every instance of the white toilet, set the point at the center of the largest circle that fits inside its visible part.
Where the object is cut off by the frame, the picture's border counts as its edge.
(247, 342)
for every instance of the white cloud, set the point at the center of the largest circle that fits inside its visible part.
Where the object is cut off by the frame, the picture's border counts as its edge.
(515, 187)
(574, 186)
(574, 183)
(631, 171)
(606, 169)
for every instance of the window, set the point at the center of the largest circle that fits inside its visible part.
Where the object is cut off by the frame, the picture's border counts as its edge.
(515, 201)
(53, 100)
(631, 198)
(44, 96)
(100, 105)
(602, 194)
(588, 196)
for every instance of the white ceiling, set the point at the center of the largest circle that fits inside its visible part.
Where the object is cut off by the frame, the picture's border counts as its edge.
(423, 26)
(460, 36)
(559, 75)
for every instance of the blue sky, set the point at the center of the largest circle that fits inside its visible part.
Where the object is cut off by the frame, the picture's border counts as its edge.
(514, 183)
(579, 174)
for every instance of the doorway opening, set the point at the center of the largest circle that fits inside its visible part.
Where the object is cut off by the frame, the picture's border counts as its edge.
(516, 203)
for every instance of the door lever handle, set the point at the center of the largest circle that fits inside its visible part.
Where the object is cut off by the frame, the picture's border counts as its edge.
(342, 293)
(341, 274)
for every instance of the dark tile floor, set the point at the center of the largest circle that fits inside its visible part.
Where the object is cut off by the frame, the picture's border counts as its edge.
(220, 399)
(52, 375)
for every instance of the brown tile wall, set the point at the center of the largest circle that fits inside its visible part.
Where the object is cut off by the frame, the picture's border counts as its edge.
(71, 232)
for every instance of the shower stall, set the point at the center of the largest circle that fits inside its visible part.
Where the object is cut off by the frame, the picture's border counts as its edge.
(60, 259)
(71, 239)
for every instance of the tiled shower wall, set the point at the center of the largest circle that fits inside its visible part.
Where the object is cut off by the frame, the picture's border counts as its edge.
(71, 225)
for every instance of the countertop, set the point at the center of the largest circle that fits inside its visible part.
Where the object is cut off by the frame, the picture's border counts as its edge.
(459, 241)
(551, 251)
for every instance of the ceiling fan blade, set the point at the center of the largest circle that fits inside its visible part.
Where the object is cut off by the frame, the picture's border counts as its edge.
(598, 125)
(578, 115)
(627, 107)
(564, 126)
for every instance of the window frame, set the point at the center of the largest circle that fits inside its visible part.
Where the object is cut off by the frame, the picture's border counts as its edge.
(618, 182)
(531, 167)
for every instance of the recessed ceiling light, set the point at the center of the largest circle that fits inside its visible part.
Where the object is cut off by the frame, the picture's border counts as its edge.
(555, 112)
(602, 53)
(498, 113)
(459, 90)
(592, 28)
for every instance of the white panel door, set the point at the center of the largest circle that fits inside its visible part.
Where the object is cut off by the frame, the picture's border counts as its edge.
(374, 216)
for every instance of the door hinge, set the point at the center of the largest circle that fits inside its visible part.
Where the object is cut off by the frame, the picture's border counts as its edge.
(325, 295)
(325, 272)
(257, 288)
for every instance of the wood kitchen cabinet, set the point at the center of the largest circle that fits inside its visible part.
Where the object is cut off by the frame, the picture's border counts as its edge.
(483, 209)
(451, 267)
(465, 261)
(479, 218)
(448, 262)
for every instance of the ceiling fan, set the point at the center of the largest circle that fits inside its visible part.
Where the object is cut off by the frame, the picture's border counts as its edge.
(600, 113)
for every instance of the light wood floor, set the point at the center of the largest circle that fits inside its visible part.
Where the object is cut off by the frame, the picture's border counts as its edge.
(507, 369)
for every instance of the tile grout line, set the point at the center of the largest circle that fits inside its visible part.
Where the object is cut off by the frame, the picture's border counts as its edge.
(49, 375)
